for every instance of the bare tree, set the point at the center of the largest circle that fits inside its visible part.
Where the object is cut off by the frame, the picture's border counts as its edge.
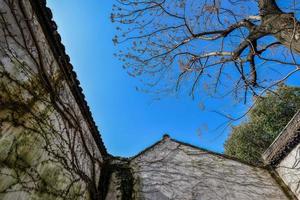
(228, 47)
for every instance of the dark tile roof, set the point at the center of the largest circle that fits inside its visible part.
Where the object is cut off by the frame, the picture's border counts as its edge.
(49, 27)
(284, 143)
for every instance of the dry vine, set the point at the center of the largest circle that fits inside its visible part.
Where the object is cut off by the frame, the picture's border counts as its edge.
(46, 148)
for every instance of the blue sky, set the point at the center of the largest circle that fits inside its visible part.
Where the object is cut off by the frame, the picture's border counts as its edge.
(129, 121)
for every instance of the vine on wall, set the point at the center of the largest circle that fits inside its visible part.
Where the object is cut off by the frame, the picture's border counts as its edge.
(46, 151)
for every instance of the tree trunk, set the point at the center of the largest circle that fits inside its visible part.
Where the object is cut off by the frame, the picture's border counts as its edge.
(267, 7)
(283, 26)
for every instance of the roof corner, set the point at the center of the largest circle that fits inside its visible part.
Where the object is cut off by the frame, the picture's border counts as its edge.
(284, 143)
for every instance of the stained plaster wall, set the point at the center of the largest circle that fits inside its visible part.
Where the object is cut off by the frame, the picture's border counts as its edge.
(172, 170)
(289, 170)
(284, 155)
(46, 146)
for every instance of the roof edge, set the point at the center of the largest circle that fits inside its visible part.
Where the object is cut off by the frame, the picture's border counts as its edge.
(168, 138)
(283, 186)
(45, 18)
(284, 143)
(219, 154)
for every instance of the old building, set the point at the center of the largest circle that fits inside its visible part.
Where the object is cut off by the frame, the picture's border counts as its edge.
(284, 155)
(174, 170)
(50, 147)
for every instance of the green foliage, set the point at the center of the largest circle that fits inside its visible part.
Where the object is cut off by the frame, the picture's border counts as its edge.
(270, 115)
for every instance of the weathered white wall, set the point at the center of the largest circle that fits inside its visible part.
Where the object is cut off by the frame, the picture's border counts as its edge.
(46, 149)
(171, 170)
(289, 170)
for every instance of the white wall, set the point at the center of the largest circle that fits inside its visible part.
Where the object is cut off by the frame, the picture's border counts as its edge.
(47, 150)
(174, 171)
(289, 170)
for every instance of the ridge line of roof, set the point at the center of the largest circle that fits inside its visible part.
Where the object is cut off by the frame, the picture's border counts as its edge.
(143, 151)
(218, 154)
(196, 147)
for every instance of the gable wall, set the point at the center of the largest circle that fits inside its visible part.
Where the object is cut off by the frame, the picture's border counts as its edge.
(171, 170)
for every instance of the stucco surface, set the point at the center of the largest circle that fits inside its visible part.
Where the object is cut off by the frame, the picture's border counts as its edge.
(289, 170)
(172, 170)
(46, 147)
